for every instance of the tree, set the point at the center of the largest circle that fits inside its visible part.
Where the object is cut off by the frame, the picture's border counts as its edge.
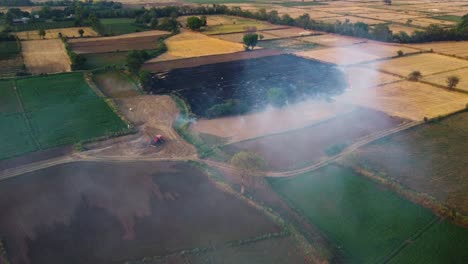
(204, 21)
(277, 97)
(154, 23)
(81, 32)
(145, 78)
(194, 23)
(414, 76)
(250, 165)
(387, 2)
(452, 82)
(42, 33)
(400, 53)
(135, 59)
(250, 40)
(382, 32)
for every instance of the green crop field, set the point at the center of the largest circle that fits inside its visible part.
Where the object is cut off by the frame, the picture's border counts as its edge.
(442, 243)
(119, 26)
(449, 18)
(99, 60)
(8, 49)
(363, 220)
(238, 25)
(43, 25)
(58, 110)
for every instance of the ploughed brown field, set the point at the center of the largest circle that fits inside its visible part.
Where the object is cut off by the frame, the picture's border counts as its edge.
(135, 41)
(88, 212)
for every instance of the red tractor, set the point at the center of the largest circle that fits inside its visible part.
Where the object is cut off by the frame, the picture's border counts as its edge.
(157, 140)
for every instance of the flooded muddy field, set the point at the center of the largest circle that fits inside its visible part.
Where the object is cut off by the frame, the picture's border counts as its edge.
(249, 81)
(99, 212)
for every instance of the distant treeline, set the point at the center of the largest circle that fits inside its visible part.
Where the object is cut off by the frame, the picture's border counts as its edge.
(89, 12)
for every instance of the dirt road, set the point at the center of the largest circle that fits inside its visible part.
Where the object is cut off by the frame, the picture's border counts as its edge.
(93, 155)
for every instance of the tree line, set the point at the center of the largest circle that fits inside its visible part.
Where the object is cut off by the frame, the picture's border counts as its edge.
(88, 13)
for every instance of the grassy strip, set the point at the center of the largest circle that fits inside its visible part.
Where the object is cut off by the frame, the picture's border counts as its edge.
(182, 127)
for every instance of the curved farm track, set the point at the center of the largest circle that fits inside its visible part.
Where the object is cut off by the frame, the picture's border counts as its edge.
(94, 155)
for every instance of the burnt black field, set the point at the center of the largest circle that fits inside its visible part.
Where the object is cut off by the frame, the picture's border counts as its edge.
(248, 81)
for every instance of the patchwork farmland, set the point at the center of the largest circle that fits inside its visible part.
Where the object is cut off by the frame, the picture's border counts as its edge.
(182, 139)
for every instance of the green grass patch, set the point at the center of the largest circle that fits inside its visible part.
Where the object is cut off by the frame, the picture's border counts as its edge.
(42, 25)
(59, 109)
(289, 44)
(365, 221)
(116, 84)
(442, 243)
(8, 49)
(298, 3)
(99, 60)
(238, 25)
(449, 18)
(119, 26)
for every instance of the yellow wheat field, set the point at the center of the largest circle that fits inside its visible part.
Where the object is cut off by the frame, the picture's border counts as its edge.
(456, 48)
(333, 40)
(338, 55)
(192, 44)
(412, 100)
(427, 64)
(441, 78)
(45, 56)
(54, 33)
(364, 78)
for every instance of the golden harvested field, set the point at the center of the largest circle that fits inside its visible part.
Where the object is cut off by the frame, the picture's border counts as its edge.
(399, 28)
(456, 48)
(411, 100)
(289, 32)
(363, 78)
(426, 63)
(269, 34)
(192, 44)
(333, 40)
(53, 33)
(422, 22)
(388, 16)
(351, 19)
(132, 41)
(339, 55)
(441, 78)
(45, 56)
(383, 50)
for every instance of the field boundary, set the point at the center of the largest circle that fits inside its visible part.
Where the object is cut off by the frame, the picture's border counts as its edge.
(25, 118)
(163, 66)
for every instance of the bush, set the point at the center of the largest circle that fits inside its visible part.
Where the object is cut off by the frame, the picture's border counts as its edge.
(400, 53)
(277, 97)
(414, 76)
(229, 107)
(194, 23)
